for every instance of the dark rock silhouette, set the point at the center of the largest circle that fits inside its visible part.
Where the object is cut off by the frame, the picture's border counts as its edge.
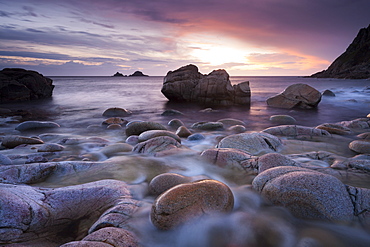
(354, 63)
(118, 74)
(138, 73)
(187, 84)
(23, 85)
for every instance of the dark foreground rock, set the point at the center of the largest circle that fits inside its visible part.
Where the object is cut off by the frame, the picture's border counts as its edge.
(23, 85)
(296, 96)
(187, 84)
(354, 63)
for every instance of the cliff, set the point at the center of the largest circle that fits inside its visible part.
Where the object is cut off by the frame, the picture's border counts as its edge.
(354, 63)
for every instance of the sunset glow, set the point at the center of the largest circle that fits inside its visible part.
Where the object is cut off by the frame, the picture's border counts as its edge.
(246, 38)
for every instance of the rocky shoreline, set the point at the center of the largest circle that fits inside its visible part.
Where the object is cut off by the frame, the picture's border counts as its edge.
(208, 179)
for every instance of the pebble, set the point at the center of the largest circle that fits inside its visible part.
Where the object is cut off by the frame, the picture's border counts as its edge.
(225, 157)
(116, 112)
(236, 129)
(165, 181)
(115, 120)
(4, 160)
(175, 123)
(184, 202)
(328, 92)
(282, 119)
(171, 113)
(295, 131)
(28, 125)
(136, 128)
(362, 147)
(196, 137)
(253, 143)
(15, 140)
(182, 131)
(208, 126)
(228, 122)
(155, 145)
(50, 147)
(149, 134)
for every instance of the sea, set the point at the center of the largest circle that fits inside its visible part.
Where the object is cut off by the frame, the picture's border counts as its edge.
(79, 102)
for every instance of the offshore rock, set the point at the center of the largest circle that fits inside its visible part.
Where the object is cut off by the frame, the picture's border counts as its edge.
(298, 95)
(23, 85)
(185, 202)
(354, 63)
(187, 84)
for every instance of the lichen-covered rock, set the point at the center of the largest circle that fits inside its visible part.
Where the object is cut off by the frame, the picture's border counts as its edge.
(136, 128)
(23, 85)
(306, 193)
(296, 96)
(184, 202)
(252, 143)
(186, 84)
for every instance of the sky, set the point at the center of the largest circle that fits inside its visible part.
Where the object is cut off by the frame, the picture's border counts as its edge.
(244, 37)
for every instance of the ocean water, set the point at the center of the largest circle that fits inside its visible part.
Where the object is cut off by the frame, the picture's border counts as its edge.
(80, 101)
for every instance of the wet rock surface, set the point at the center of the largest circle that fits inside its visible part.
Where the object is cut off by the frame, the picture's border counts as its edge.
(185, 202)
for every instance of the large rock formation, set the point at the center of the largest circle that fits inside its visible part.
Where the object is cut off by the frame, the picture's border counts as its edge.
(354, 63)
(187, 84)
(296, 96)
(23, 85)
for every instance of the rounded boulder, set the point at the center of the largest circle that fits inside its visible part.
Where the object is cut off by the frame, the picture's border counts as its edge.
(188, 201)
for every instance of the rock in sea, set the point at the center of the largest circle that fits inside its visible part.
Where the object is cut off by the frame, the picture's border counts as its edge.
(29, 125)
(186, 84)
(296, 96)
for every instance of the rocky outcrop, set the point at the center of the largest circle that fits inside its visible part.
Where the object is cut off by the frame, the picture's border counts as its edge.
(187, 84)
(354, 63)
(138, 73)
(23, 85)
(296, 96)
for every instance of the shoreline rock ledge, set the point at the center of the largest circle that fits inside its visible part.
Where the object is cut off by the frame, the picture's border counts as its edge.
(23, 85)
(187, 84)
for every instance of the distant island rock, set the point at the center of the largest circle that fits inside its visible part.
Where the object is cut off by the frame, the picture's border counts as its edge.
(23, 85)
(119, 74)
(187, 84)
(354, 63)
(138, 73)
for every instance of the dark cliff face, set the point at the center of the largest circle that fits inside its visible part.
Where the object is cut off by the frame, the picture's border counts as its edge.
(354, 63)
